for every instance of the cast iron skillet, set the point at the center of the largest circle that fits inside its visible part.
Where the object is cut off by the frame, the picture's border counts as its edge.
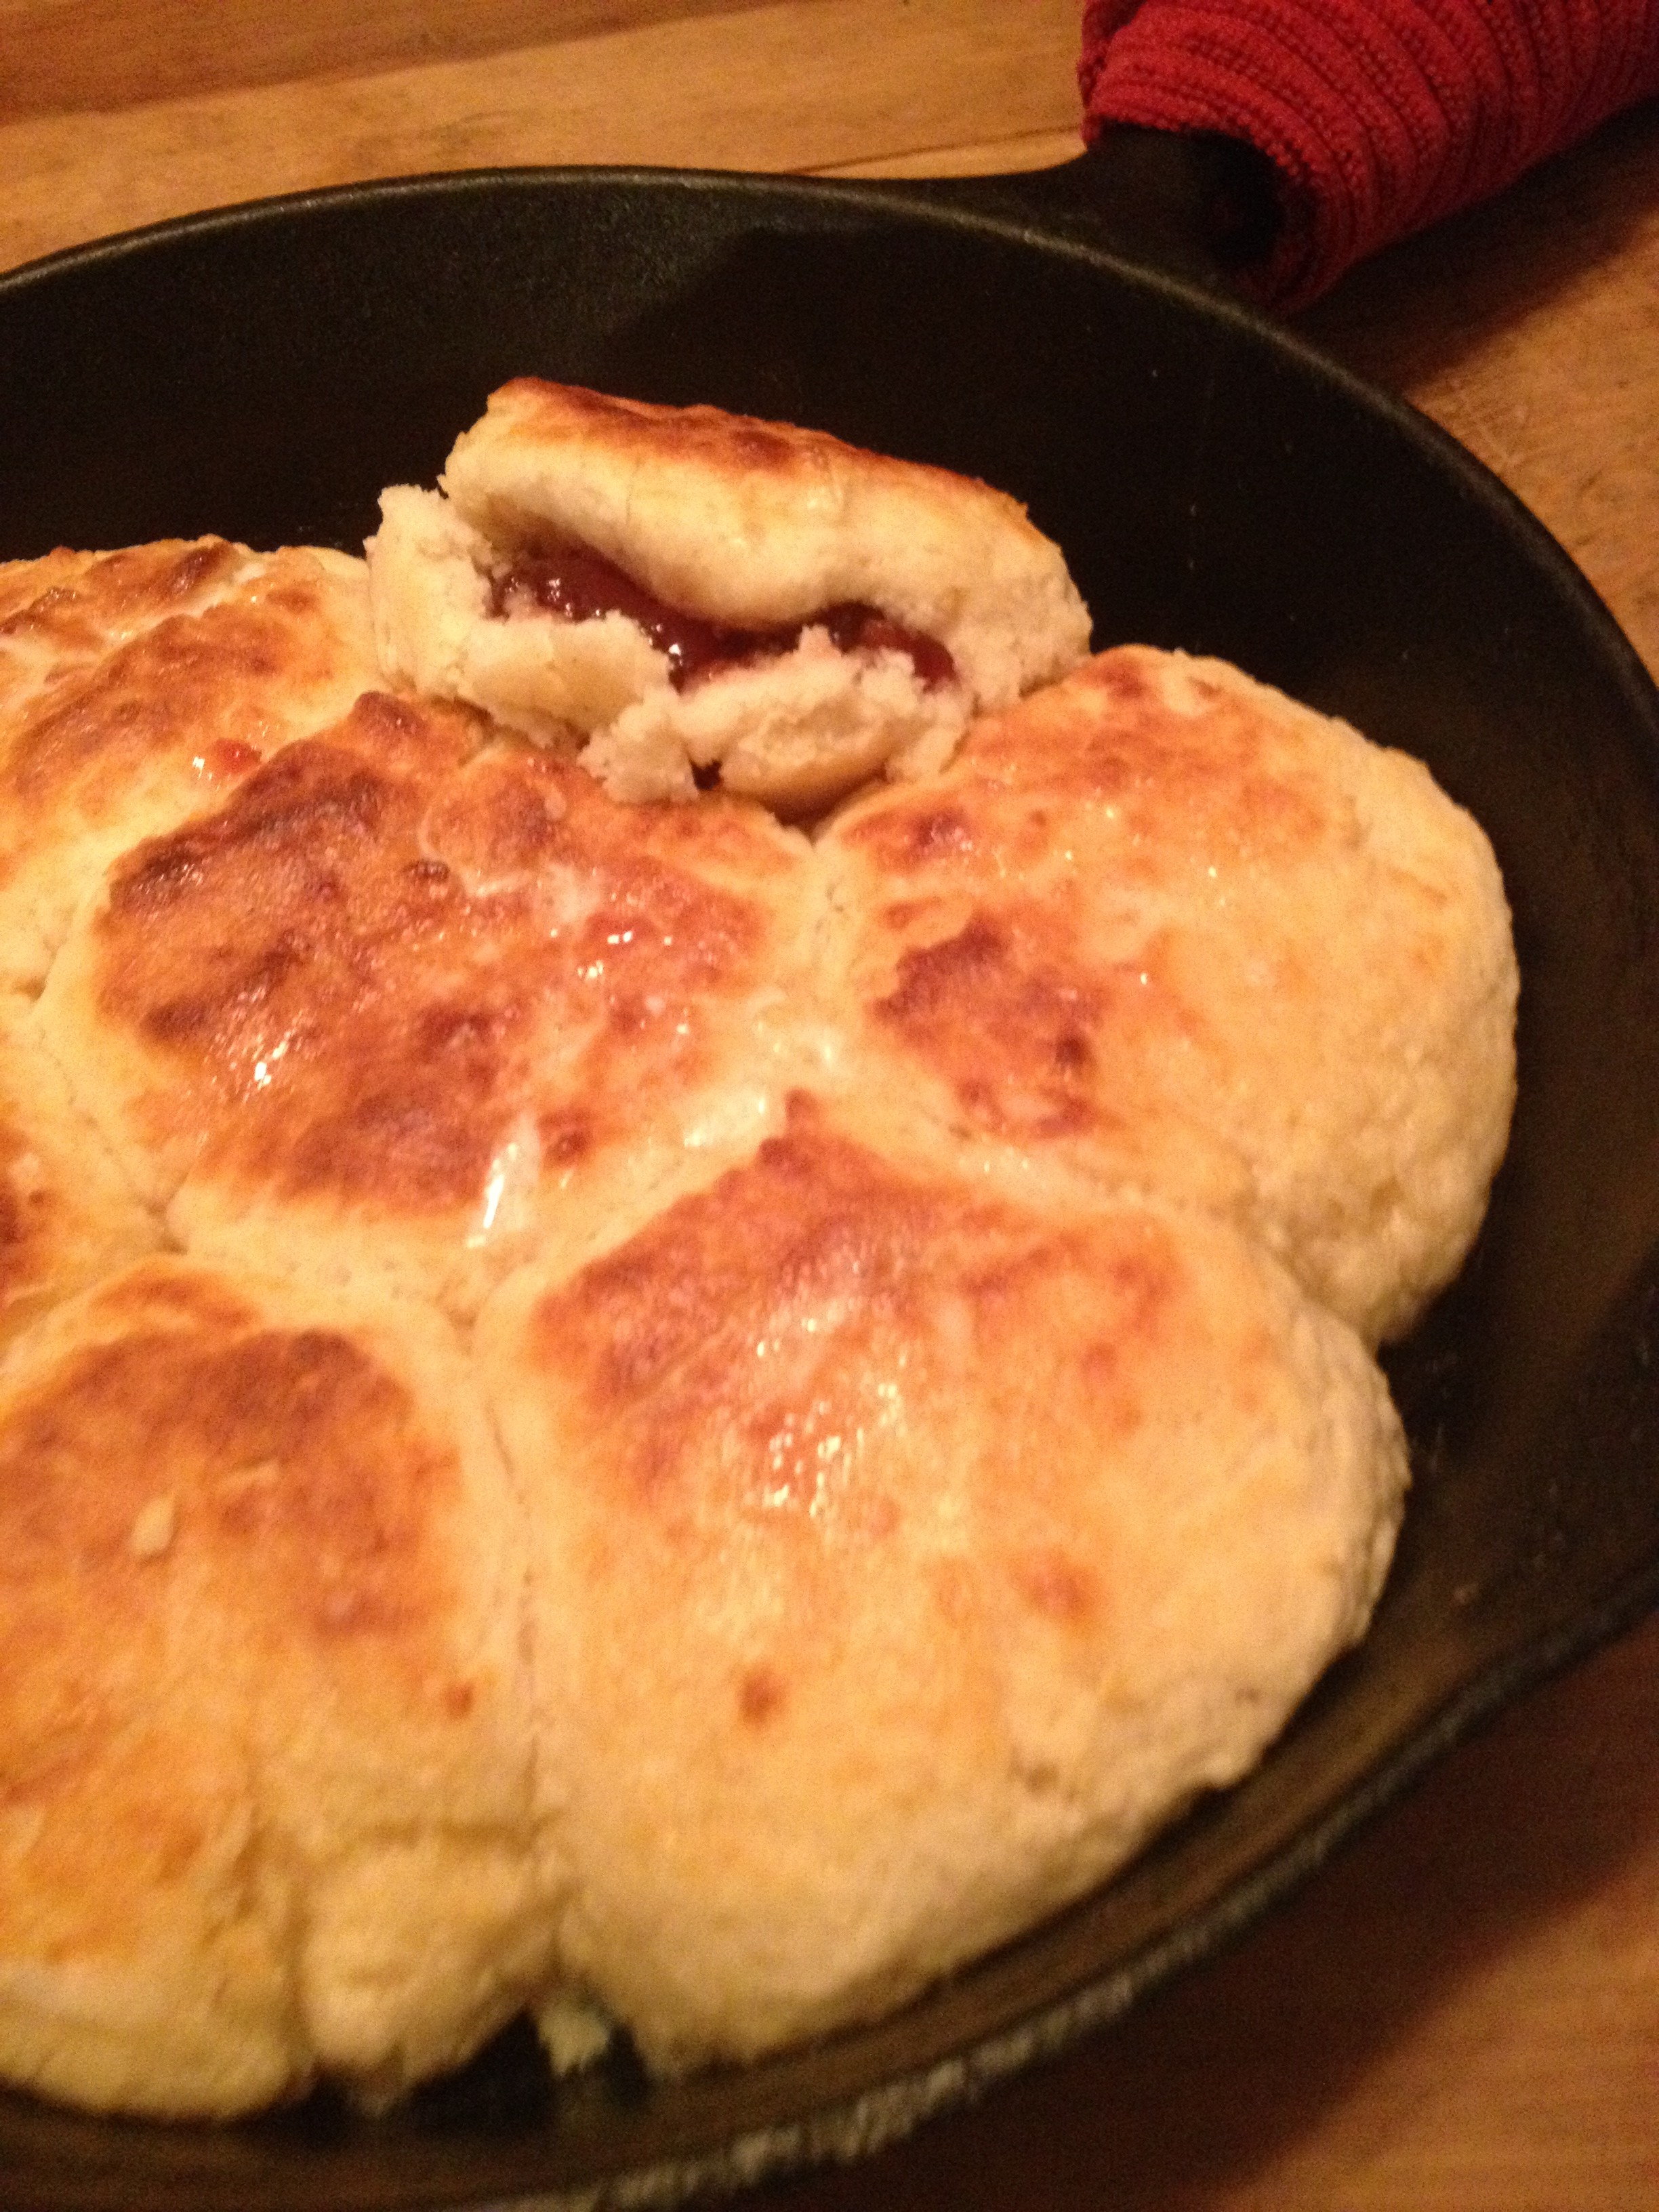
(1217, 486)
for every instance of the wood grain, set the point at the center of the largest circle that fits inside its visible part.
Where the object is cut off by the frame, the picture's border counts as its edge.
(63, 57)
(745, 89)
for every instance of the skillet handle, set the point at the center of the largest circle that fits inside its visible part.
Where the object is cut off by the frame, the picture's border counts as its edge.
(1192, 204)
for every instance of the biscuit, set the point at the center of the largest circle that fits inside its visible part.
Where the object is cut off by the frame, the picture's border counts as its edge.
(901, 1558)
(701, 595)
(1158, 926)
(412, 999)
(267, 1804)
(68, 1215)
(138, 687)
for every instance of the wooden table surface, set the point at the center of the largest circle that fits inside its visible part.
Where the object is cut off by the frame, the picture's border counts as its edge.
(1461, 2014)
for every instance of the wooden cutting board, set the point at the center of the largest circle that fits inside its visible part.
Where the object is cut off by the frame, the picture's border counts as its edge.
(1461, 2014)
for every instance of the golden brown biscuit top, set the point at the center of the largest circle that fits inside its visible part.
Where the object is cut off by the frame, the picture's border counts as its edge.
(1180, 773)
(786, 1407)
(393, 943)
(1019, 1021)
(1159, 925)
(706, 439)
(203, 685)
(239, 1573)
(901, 1553)
(75, 602)
(138, 690)
(196, 1502)
(188, 1429)
(759, 1349)
(1038, 929)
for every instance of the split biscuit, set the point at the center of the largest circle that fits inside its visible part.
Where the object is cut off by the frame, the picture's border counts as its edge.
(699, 595)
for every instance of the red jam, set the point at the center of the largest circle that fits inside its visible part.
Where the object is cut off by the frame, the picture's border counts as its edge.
(572, 581)
(226, 756)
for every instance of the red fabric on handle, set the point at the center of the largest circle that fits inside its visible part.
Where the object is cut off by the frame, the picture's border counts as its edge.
(1379, 116)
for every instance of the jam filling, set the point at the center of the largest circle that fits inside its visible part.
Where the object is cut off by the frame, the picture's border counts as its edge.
(574, 581)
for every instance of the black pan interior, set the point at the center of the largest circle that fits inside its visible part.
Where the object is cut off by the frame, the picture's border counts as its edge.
(1216, 486)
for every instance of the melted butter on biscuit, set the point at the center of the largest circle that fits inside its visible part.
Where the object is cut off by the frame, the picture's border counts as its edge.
(409, 974)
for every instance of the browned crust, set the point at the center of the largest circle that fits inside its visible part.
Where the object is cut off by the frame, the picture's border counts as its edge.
(393, 942)
(712, 439)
